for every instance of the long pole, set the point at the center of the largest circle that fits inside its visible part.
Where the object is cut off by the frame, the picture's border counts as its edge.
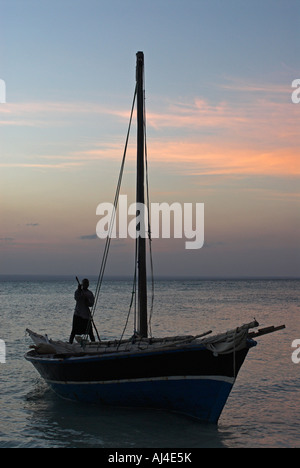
(142, 327)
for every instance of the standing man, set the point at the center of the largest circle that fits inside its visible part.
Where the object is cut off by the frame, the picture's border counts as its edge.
(81, 320)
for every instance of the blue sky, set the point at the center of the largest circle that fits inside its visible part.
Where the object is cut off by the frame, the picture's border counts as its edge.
(222, 130)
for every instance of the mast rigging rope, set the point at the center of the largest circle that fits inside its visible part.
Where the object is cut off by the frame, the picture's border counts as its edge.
(108, 238)
(116, 199)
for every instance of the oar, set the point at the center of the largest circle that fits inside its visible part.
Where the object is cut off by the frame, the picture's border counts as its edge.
(92, 320)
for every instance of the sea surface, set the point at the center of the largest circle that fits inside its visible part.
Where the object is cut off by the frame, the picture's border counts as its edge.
(263, 409)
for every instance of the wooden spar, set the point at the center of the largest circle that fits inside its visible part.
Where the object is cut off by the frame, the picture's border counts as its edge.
(265, 331)
(142, 326)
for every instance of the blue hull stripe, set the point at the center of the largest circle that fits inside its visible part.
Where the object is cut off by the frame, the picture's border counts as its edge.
(202, 397)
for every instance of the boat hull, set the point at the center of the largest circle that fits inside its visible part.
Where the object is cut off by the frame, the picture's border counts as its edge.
(204, 398)
(191, 381)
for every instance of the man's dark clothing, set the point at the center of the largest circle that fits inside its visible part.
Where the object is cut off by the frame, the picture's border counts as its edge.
(81, 323)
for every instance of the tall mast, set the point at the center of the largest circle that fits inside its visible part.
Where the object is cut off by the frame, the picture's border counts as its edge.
(142, 327)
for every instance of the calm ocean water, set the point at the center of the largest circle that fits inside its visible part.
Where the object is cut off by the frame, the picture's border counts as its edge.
(262, 411)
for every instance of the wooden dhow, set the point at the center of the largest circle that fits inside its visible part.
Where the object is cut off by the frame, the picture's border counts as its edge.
(192, 375)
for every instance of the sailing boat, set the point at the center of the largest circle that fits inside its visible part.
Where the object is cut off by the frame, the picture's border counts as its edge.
(192, 375)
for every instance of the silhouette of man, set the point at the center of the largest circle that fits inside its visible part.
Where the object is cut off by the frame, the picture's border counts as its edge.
(81, 319)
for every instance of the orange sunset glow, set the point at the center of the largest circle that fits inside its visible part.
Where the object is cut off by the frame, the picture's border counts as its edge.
(221, 128)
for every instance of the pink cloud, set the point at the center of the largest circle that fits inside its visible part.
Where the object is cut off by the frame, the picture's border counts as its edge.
(261, 137)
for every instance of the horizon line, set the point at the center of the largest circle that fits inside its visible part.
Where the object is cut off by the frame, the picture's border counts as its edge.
(94, 277)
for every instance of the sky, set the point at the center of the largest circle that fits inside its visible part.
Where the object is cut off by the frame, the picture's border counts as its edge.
(222, 130)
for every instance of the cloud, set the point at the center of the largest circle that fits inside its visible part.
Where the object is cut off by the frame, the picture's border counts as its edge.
(260, 120)
(261, 139)
(248, 135)
(208, 245)
(89, 237)
(52, 113)
(247, 86)
(62, 165)
(199, 114)
(196, 158)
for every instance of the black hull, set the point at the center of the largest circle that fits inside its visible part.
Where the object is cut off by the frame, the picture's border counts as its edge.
(191, 380)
